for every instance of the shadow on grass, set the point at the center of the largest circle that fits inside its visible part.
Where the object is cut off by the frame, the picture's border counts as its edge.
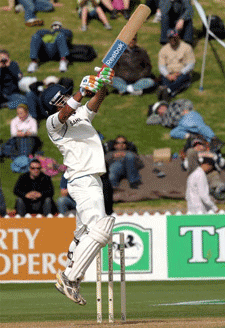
(218, 60)
(195, 76)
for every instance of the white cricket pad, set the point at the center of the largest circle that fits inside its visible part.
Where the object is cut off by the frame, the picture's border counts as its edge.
(89, 246)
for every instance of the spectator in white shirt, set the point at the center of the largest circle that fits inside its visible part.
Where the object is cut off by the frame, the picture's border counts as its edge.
(197, 190)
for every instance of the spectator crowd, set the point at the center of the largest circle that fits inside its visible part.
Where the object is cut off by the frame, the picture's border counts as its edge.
(201, 156)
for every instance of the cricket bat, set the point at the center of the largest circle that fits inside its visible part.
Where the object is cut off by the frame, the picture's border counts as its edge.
(126, 35)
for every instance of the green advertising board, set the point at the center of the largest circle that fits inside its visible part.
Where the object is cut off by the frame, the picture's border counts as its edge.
(138, 249)
(196, 246)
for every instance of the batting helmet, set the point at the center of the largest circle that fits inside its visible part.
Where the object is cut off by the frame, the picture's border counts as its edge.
(52, 96)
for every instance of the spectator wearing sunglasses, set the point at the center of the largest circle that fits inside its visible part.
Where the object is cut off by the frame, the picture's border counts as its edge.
(34, 191)
(123, 163)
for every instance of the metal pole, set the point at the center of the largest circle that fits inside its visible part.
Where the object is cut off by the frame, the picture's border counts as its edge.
(204, 54)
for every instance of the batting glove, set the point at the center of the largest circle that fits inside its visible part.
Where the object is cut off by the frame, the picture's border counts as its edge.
(106, 74)
(91, 84)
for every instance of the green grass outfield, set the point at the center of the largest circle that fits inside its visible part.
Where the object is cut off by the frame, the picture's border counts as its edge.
(41, 302)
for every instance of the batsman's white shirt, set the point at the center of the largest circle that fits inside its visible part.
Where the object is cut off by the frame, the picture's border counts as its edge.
(197, 193)
(78, 142)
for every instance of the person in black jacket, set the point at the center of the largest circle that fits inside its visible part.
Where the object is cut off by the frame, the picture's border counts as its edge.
(34, 191)
(10, 75)
(133, 71)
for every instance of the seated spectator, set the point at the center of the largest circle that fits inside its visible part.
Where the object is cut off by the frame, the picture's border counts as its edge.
(191, 162)
(133, 71)
(2, 203)
(65, 203)
(24, 129)
(107, 192)
(176, 14)
(31, 7)
(33, 96)
(122, 6)
(106, 183)
(108, 6)
(15, 4)
(10, 75)
(24, 140)
(89, 9)
(176, 62)
(49, 45)
(34, 191)
(123, 163)
(197, 191)
(184, 121)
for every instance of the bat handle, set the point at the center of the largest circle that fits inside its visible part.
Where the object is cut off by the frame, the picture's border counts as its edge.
(104, 66)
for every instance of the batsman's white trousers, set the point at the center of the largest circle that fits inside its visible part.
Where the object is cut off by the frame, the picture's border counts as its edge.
(88, 194)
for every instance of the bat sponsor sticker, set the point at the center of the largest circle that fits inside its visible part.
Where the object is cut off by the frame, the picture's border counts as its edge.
(114, 53)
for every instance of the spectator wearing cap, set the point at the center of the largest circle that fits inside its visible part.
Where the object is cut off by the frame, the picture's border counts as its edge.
(182, 118)
(176, 61)
(50, 45)
(196, 145)
(176, 14)
(10, 75)
(197, 190)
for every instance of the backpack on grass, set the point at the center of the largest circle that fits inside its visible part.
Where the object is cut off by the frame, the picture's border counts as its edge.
(82, 53)
(216, 26)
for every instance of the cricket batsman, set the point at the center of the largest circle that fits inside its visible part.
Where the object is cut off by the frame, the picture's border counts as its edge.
(69, 126)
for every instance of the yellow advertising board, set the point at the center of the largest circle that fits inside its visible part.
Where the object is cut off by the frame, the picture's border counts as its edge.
(32, 249)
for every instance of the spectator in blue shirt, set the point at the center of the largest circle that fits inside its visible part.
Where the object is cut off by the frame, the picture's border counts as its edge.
(10, 75)
(183, 119)
(65, 203)
(192, 122)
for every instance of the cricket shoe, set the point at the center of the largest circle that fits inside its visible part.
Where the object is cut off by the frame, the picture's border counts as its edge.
(59, 288)
(70, 289)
